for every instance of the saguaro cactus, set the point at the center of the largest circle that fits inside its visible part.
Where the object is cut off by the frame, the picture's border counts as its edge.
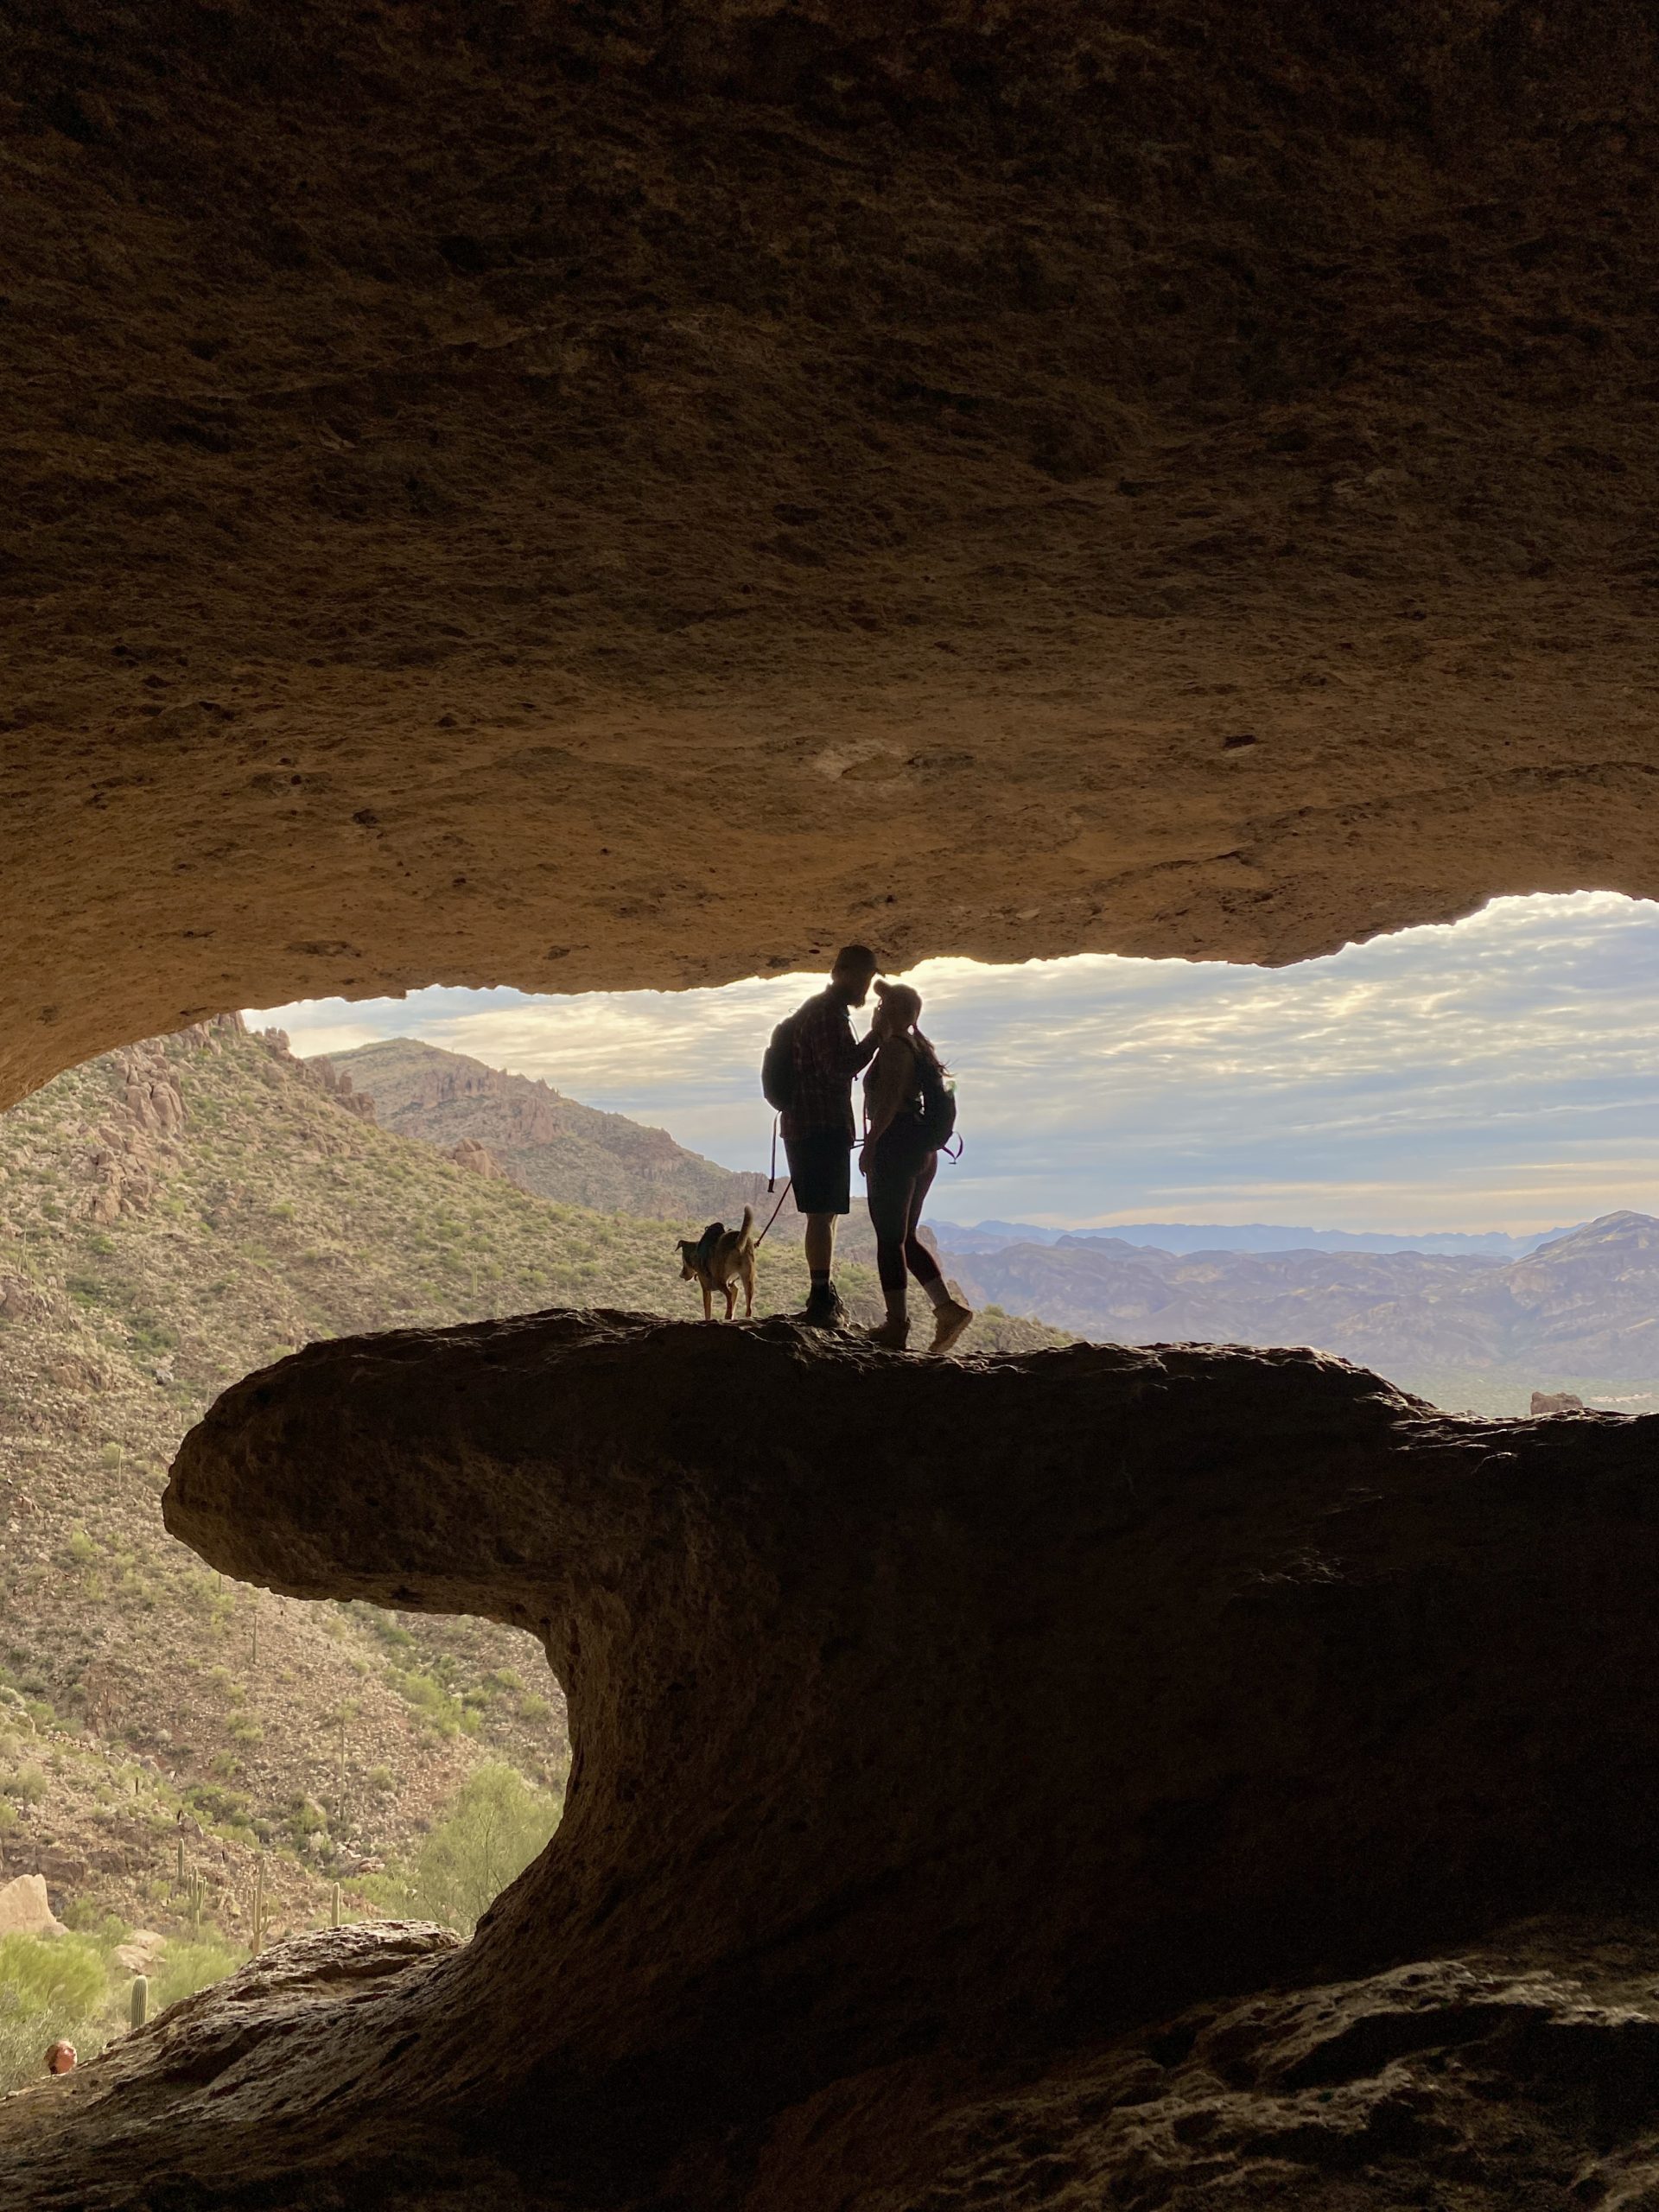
(138, 2003)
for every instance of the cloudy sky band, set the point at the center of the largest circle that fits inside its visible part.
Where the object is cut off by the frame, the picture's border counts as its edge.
(1498, 1072)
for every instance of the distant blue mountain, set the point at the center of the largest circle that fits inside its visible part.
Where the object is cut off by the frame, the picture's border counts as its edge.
(1246, 1237)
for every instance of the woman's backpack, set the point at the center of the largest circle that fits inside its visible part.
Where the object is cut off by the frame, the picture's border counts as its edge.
(939, 1115)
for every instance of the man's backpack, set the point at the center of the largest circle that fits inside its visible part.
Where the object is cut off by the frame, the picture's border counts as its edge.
(939, 1115)
(778, 1063)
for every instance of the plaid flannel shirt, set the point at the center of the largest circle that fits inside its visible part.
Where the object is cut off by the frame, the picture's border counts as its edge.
(827, 1057)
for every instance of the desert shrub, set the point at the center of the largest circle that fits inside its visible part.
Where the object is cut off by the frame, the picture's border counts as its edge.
(149, 1332)
(48, 1989)
(210, 1802)
(533, 1708)
(62, 1971)
(80, 1548)
(183, 1969)
(496, 1824)
(201, 1591)
(432, 1701)
(106, 1929)
(305, 1818)
(26, 1783)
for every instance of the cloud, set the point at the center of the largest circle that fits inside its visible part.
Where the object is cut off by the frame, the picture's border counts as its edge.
(1500, 1072)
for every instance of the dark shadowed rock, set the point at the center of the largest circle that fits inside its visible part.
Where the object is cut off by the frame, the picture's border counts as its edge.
(934, 1720)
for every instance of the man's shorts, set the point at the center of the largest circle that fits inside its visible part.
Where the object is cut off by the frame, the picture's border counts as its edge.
(821, 1170)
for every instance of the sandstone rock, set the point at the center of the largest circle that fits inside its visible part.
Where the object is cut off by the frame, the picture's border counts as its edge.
(1556, 1401)
(1517, 2073)
(476, 1157)
(62, 1869)
(1038, 429)
(22, 1301)
(72, 1372)
(932, 1722)
(318, 1074)
(25, 1909)
(140, 1950)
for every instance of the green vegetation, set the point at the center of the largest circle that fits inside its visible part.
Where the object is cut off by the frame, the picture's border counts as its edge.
(50, 1988)
(496, 1825)
(435, 1704)
(185, 1967)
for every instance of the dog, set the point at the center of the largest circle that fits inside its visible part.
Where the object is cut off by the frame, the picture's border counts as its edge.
(721, 1259)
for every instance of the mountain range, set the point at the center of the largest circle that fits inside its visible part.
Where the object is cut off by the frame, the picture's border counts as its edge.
(556, 1148)
(1581, 1312)
(545, 1143)
(1466, 1319)
(1242, 1237)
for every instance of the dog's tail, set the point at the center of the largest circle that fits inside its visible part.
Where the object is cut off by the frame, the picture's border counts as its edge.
(745, 1235)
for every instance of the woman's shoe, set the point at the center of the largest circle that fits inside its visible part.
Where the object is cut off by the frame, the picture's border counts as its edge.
(892, 1336)
(949, 1323)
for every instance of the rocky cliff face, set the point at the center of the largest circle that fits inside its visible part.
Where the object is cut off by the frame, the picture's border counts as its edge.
(941, 1734)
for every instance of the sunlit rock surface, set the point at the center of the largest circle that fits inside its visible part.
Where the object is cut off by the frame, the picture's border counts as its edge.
(937, 1726)
(629, 495)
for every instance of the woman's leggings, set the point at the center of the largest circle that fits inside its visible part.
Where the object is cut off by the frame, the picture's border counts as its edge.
(898, 1186)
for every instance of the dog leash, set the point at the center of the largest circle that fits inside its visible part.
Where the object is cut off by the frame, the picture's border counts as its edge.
(776, 1210)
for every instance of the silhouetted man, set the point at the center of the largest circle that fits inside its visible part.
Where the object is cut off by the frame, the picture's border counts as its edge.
(819, 1131)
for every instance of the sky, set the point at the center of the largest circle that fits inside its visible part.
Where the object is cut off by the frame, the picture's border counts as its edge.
(1499, 1072)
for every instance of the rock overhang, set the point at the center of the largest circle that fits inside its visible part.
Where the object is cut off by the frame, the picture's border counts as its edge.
(632, 500)
(926, 1716)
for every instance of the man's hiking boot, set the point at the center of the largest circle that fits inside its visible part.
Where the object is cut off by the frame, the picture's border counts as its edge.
(892, 1335)
(823, 1307)
(949, 1323)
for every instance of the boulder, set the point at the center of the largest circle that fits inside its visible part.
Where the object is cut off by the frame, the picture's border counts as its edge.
(25, 1909)
(140, 1950)
(476, 1157)
(1556, 1401)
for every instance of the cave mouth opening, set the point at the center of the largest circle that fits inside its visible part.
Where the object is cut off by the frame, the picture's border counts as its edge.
(1385, 1122)
(188, 1210)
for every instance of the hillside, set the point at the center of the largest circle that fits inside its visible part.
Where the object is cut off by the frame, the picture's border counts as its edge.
(171, 1216)
(1580, 1312)
(545, 1143)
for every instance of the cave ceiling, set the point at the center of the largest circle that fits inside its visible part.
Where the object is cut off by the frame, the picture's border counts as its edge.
(583, 496)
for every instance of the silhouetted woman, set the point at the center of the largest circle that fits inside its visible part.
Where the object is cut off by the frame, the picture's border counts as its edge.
(898, 1160)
